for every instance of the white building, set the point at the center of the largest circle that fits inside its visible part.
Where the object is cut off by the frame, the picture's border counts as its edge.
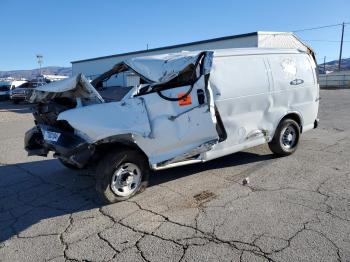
(54, 77)
(93, 67)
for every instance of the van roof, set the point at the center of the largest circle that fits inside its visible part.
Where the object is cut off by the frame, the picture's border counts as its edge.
(219, 52)
(162, 68)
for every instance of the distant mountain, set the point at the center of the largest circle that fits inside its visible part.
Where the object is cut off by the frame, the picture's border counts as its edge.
(31, 74)
(333, 65)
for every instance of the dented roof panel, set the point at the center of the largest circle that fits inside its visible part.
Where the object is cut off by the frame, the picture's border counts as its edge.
(162, 68)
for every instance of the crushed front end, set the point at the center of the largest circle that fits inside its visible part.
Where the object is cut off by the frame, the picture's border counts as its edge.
(64, 143)
(58, 136)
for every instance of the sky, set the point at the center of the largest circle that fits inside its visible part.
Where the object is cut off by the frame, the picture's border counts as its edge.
(68, 30)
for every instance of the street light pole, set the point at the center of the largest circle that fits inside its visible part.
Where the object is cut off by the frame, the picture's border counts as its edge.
(40, 61)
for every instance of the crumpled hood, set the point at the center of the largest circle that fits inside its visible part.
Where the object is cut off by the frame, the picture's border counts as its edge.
(76, 86)
(109, 119)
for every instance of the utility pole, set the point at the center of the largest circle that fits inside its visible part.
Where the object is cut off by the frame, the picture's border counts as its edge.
(341, 46)
(324, 65)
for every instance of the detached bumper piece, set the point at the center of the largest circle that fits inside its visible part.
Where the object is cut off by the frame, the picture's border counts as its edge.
(65, 145)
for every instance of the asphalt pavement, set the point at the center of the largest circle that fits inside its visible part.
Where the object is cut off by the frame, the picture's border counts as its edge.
(295, 208)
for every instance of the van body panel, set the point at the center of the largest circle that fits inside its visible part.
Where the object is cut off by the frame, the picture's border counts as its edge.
(242, 95)
(254, 93)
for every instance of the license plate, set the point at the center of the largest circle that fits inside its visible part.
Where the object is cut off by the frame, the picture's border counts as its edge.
(51, 136)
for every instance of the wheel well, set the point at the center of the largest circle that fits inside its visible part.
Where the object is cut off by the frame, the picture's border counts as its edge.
(103, 148)
(296, 118)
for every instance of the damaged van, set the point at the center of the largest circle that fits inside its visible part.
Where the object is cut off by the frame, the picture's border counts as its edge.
(190, 107)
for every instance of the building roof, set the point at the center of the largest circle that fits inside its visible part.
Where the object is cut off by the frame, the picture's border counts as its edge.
(175, 46)
(254, 51)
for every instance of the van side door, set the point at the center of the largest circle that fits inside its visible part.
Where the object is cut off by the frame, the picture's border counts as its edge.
(241, 87)
(182, 119)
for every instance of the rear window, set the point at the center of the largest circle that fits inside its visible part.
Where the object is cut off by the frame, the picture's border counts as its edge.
(25, 85)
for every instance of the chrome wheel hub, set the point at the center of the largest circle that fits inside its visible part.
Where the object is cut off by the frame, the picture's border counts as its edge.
(289, 137)
(126, 179)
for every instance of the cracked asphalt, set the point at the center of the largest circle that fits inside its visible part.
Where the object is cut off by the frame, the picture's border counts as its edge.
(295, 208)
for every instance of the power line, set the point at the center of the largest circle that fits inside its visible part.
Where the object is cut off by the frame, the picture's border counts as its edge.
(319, 27)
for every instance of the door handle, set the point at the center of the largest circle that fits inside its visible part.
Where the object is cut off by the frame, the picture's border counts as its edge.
(201, 96)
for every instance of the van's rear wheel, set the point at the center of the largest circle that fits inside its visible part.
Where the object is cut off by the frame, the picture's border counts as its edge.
(121, 174)
(286, 138)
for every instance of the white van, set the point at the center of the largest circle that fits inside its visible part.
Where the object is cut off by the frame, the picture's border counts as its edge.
(190, 107)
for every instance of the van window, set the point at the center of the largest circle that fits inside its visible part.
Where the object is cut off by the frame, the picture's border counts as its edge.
(114, 80)
(186, 77)
(239, 76)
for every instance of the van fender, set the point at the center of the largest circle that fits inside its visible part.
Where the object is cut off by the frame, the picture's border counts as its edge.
(295, 115)
(120, 141)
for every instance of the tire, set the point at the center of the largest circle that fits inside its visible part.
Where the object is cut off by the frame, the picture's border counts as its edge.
(68, 165)
(121, 175)
(286, 138)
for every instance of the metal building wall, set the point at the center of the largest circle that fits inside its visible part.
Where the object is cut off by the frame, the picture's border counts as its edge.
(280, 40)
(95, 67)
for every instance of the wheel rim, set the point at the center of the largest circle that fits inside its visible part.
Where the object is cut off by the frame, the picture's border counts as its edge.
(126, 179)
(289, 137)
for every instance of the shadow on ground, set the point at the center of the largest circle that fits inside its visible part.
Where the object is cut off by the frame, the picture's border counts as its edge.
(35, 191)
(232, 160)
(22, 108)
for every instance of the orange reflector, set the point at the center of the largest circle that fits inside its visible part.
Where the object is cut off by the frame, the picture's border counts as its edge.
(185, 101)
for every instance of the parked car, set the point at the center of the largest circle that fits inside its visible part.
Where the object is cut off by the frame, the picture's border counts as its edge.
(191, 107)
(4, 90)
(22, 92)
(7, 86)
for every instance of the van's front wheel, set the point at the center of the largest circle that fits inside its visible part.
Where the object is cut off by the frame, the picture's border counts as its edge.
(121, 175)
(286, 138)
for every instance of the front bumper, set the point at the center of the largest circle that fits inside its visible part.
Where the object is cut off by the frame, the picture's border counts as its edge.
(69, 146)
(18, 97)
